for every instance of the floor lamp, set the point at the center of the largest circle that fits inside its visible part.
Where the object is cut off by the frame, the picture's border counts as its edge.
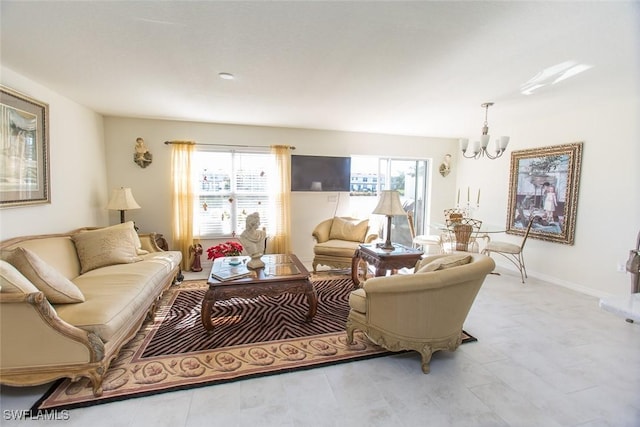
(122, 200)
(389, 205)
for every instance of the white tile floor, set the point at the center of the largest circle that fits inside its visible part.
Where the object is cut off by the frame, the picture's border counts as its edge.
(546, 356)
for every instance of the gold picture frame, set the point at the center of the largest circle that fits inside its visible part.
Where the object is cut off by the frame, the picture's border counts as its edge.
(543, 185)
(24, 150)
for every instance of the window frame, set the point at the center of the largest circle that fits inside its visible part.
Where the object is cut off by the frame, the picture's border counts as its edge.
(233, 194)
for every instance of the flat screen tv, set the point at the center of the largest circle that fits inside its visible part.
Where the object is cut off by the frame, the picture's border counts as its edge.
(320, 173)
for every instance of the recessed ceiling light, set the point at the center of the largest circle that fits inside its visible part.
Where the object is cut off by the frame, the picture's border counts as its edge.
(226, 76)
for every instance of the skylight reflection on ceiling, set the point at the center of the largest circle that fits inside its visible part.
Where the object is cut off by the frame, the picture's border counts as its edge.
(552, 75)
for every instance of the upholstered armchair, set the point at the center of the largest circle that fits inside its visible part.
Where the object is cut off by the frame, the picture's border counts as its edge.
(337, 239)
(423, 311)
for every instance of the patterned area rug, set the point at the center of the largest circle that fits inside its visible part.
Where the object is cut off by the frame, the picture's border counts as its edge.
(252, 337)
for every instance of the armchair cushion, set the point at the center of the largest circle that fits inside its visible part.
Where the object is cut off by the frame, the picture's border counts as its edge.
(343, 229)
(336, 248)
(443, 263)
(358, 300)
(57, 288)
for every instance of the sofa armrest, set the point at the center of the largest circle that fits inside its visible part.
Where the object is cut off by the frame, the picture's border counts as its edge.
(32, 334)
(322, 230)
(479, 267)
(149, 243)
(400, 284)
(370, 238)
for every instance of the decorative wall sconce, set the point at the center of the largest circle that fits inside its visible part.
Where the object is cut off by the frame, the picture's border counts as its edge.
(480, 147)
(445, 166)
(142, 157)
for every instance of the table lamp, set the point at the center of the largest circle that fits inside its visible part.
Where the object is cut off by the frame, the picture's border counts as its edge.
(122, 200)
(389, 205)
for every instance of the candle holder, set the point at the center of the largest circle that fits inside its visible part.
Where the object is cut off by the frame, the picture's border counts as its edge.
(468, 208)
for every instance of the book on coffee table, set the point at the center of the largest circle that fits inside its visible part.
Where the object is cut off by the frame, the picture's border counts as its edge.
(223, 270)
(231, 273)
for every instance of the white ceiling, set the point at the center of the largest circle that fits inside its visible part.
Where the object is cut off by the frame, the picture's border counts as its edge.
(414, 68)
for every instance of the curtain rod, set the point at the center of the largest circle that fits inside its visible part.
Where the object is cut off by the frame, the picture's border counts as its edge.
(220, 145)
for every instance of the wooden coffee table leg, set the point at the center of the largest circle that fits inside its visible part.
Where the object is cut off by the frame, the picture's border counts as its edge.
(312, 299)
(207, 308)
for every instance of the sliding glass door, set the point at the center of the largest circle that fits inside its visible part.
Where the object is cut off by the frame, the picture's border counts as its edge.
(408, 176)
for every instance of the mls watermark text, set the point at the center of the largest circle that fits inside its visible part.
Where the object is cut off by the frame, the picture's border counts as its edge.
(28, 414)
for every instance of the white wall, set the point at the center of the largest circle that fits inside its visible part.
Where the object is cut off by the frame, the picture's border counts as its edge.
(151, 185)
(78, 171)
(605, 119)
(608, 210)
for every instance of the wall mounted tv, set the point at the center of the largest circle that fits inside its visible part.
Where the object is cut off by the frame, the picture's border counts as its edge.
(320, 173)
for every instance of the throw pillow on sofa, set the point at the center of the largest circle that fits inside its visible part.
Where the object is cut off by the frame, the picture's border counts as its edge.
(342, 229)
(57, 288)
(129, 225)
(444, 263)
(106, 246)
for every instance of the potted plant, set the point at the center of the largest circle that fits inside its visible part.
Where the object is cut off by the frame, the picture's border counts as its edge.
(225, 249)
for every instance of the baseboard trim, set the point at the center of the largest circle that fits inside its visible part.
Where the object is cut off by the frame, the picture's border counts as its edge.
(569, 285)
(559, 282)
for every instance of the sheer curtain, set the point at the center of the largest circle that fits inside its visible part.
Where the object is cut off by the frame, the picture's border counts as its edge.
(182, 198)
(280, 243)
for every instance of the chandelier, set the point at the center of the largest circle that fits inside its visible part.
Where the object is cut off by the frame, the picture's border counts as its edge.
(479, 148)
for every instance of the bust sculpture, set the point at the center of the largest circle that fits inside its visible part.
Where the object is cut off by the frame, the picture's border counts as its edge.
(253, 240)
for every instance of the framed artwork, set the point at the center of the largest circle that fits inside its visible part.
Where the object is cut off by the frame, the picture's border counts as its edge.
(543, 185)
(24, 150)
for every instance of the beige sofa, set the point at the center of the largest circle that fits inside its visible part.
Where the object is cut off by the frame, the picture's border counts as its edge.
(337, 239)
(69, 302)
(423, 311)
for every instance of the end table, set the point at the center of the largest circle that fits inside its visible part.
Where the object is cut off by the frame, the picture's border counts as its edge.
(384, 259)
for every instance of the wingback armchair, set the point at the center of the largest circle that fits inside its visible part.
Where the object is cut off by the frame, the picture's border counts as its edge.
(423, 311)
(337, 239)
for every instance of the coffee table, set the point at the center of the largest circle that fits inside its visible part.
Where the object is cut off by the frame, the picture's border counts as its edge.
(282, 273)
(384, 259)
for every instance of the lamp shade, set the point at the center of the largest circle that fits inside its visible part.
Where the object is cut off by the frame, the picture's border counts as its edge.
(389, 204)
(122, 200)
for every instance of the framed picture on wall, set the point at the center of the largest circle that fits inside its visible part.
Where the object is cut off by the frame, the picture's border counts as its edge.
(24, 150)
(543, 186)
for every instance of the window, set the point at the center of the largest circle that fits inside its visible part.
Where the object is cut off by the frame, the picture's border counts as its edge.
(230, 186)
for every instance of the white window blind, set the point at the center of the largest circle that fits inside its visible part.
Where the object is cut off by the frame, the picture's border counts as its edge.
(230, 186)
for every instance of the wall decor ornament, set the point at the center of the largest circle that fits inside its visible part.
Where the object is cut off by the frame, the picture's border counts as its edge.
(543, 185)
(141, 156)
(24, 150)
(445, 165)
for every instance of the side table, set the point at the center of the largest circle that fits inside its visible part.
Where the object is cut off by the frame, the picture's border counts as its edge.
(384, 259)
